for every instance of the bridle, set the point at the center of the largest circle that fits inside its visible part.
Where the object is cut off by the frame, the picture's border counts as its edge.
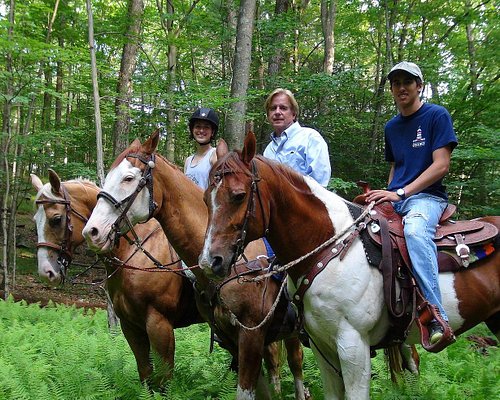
(65, 253)
(250, 210)
(125, 204)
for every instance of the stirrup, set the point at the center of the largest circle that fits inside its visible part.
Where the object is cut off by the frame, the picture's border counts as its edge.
(426, 314)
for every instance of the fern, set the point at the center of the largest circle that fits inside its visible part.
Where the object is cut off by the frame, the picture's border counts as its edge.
(60, 353)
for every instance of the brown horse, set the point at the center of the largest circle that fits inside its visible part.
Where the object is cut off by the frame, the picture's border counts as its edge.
(343, 308)
(245, 317)
(149, 304)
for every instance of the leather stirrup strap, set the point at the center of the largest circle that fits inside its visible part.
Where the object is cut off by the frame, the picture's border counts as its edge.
(388, 270)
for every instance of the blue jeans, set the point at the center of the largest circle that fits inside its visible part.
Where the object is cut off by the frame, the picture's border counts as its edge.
(421, 214)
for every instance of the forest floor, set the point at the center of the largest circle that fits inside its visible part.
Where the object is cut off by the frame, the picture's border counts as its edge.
(30, 288)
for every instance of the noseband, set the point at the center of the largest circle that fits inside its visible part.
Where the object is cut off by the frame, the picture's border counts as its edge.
(65, 254)
(125, 204)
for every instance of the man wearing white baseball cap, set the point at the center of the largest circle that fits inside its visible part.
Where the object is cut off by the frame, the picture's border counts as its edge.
(418, 144)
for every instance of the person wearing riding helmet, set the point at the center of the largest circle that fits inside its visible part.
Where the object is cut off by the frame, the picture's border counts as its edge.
(203, 127)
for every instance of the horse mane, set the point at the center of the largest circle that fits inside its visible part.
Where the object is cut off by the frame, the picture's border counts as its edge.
(135, 148)
(170, 163)
(232, 162)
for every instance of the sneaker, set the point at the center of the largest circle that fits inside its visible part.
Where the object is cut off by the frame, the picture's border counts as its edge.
(435, 332)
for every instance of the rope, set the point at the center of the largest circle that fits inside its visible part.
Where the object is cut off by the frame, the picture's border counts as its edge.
(283, 268)
(234, 318)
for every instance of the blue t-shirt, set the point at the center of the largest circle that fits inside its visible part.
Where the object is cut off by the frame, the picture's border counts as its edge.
(410, 142)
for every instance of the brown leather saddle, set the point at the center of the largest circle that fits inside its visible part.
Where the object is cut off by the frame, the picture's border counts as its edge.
(404, 300)
(451, 236)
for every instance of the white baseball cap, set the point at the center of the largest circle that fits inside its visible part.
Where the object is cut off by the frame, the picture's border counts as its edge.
(409, 67)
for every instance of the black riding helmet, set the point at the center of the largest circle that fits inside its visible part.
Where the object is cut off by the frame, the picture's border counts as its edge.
(205, 114)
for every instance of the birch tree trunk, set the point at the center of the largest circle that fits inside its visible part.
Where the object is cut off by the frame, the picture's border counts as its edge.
(113, 321)
(235, 123)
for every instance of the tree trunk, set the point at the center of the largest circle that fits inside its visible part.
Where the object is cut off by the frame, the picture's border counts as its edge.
(328, 16)
(113, 320)
(127, 68)
(95, 89)
(276, 58)
(4, 171)
(235, 123)
(379, 95)
(471, 49)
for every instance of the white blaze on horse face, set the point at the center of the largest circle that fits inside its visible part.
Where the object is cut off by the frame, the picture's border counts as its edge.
(48, 268)
(204, 260)
(120, 183)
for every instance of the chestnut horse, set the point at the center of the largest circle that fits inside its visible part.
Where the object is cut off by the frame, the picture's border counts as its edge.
(149, 304)
(343, 308)
(245, 317)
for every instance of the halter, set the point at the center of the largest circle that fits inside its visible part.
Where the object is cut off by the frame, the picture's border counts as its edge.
(250, 211)
(125, 204)
(65, 254)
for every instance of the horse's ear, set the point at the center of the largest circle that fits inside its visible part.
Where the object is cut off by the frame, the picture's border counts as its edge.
(55, 181)
(36, 182)
(248, 152)
(150, 145)
(221, 149)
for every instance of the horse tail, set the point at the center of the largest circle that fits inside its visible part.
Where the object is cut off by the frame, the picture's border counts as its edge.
(400, 358)
(394, 360)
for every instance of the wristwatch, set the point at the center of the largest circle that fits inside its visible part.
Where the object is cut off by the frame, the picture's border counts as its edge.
(401, 193)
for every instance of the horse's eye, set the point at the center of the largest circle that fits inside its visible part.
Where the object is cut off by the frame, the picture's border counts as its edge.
(128, 179)
(238, 197)
(55, 221)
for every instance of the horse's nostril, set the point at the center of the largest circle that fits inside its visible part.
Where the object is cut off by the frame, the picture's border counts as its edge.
(216, 266)
(94, 231)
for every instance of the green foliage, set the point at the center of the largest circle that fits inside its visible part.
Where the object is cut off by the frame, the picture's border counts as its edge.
(60, 352)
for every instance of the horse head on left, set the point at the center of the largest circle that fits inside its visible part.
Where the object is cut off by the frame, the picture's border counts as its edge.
(130, 178)
(59, 227)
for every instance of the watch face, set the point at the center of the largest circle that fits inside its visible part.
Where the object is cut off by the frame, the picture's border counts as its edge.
(400, 192)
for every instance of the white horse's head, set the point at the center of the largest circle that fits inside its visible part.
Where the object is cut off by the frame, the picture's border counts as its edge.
(125, 199)
(53, 254)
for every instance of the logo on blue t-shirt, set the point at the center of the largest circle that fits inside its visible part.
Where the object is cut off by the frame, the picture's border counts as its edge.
(419, 141)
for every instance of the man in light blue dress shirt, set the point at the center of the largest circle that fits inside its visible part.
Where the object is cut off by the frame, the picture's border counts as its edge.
(301, 148)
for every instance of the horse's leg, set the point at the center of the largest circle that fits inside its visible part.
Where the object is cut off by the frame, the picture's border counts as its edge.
(272, 360)
(354, 355)
(250, 352)
(333, 385)
(139, 343)
(493, 324)
(161, 336)
(295, 357)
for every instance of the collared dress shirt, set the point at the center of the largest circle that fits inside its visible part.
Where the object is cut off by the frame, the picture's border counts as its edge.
(304, 150)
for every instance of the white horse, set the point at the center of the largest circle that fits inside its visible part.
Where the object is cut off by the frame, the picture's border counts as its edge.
(343, 307)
